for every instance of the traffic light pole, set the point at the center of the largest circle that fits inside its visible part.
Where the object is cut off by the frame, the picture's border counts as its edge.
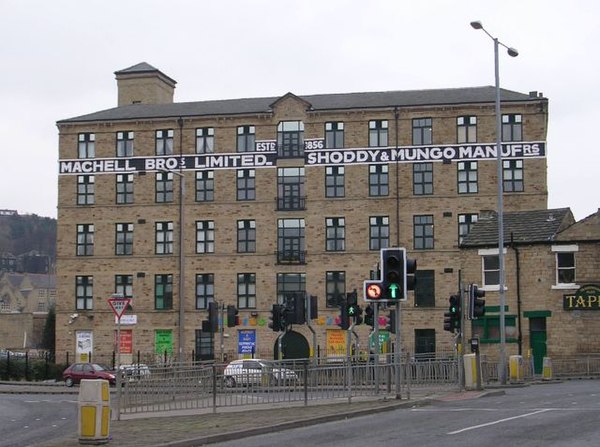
(357, 346)
(376, 347)
(221, 332)
(398, 352)
(280, 346)
(310, 328)
(349, 361)
(463, 339)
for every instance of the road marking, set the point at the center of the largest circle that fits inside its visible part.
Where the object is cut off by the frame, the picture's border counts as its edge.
(499, 421)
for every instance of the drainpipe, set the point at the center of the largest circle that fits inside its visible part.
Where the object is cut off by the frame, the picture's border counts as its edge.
(518, 272)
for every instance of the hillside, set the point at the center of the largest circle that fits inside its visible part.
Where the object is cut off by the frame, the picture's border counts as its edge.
(21, 234)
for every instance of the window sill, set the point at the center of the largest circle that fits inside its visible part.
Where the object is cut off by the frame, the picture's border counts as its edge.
(493, 288)
(565, 286)
(497, 340)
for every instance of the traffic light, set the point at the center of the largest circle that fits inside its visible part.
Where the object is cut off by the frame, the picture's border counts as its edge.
(391, 322)
(410, 274)
(352, 303)
(232, 316)
(344, 317)
(358, 319)
(452, 318)
(476, 303)
(392, 266)
(398, 274)
(369, 315)
(448, 321)
(276, 324)
(213, 316)
(354, 310)
(299, 311)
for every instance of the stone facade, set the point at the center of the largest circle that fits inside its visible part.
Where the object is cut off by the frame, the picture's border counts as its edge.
(356, 206)
(538, 321)
(25, 299)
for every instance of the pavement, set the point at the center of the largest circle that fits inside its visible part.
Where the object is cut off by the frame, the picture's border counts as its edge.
(201, 426)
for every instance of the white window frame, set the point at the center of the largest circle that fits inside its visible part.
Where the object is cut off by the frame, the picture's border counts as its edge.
(491, 252)
(572, 248)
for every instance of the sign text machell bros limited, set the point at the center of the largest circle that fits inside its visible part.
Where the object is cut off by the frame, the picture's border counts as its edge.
(314, 155)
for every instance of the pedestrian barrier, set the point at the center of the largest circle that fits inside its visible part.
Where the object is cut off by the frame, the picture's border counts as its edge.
(183, 387)
(94, 411)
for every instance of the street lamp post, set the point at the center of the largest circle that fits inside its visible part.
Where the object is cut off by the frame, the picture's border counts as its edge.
(501, 280)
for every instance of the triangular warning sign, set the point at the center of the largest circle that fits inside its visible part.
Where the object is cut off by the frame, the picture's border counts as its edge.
(118, 305)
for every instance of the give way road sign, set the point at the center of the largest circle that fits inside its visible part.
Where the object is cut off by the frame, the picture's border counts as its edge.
(118, 305)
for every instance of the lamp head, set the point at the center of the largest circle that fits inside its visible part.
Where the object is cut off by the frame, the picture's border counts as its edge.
(513, 52)
(476, 24)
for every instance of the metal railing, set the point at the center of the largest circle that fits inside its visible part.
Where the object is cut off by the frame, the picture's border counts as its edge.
(291, 256)
(210, 386)
(584, 366)
(291, 203)
(581, 366)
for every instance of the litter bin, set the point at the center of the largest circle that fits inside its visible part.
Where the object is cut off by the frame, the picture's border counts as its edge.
(516, 368)
(547, 369)
(94, 411)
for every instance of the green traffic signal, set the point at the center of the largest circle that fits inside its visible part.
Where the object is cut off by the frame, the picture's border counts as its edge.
(394, 291)
(452, 318)
(392, 262)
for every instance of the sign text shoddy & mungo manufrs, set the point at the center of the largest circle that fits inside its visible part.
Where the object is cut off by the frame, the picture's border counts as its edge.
(315, 154)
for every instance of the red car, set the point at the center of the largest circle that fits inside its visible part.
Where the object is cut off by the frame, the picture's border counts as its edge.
(77, 371)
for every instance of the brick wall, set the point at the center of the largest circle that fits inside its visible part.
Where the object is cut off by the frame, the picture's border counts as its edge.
(445, 205)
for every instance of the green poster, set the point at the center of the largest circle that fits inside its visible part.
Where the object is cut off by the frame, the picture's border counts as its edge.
(163, 341)
(384, 338)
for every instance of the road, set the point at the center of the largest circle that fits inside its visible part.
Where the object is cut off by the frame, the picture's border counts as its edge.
(28, 419)
(548, 415)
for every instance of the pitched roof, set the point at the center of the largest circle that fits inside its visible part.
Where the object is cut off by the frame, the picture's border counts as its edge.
(38, 280)
(586, 229)
(142, 68)
(42, 280)
(337, 101)
(521, 227)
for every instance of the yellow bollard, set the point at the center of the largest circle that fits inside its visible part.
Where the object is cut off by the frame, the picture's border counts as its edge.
(470, 362)
(547, 369)
(516, 368)
(94, 411)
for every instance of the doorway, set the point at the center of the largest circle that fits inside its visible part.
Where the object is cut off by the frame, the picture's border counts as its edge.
(538, 337)
(293, 346)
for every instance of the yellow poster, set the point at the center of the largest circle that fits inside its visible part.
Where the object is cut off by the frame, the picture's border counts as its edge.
(336, 343)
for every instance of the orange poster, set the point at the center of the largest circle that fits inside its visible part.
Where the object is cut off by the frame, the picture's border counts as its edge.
(126, 345)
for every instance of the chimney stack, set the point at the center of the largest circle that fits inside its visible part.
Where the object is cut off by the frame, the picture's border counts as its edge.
(144, 84)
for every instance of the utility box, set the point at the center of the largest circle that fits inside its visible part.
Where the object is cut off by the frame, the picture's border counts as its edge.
(470, 362)
(516, 368)
(94, 411)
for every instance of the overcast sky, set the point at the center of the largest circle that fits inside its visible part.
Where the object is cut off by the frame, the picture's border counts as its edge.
(58, 61)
